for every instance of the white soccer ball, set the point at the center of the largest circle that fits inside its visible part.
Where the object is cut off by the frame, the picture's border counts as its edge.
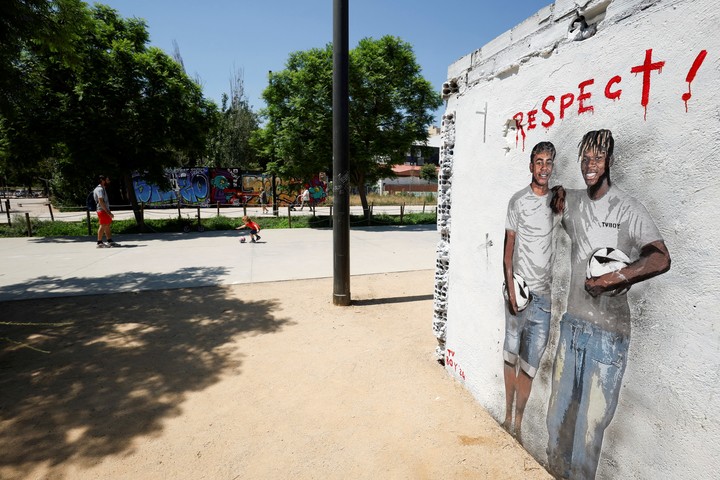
(606, 260)
(522, 292)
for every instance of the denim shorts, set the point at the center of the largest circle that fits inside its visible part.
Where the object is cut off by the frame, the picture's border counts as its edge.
(526, 334)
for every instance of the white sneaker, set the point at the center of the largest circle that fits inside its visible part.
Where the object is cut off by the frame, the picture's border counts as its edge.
(112, 244)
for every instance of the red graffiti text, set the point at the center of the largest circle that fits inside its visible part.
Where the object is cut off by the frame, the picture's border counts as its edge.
(581, 100)
(450, 362)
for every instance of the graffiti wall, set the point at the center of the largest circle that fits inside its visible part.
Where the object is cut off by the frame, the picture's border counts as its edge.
(225, 186)
(578, 282)
(189, 186)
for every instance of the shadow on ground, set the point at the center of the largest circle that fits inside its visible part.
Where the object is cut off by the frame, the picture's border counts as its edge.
(97, 372)
(388, 300)
(53, 286)
(137, 237)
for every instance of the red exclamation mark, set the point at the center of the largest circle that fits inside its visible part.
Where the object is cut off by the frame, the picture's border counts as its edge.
(691, 76)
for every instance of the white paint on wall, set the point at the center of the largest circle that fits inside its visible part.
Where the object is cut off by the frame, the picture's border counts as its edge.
(666, 424)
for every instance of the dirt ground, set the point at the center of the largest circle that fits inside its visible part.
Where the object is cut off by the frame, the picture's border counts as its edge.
(259, 381)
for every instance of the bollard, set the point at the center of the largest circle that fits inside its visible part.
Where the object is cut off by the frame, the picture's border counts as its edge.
(179, 213)
(402, 212)
(198, 217)
(330, 218)
(89, 224)
(7, 210)
(423, 206)
(244, 209)
(289, 218)
(52, 217)
(218, 208)
(29, 225)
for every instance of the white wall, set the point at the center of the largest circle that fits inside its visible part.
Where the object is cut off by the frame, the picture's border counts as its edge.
(666, 425)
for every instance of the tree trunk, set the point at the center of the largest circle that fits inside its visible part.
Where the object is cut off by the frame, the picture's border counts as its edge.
(362, 191)
(130, 190)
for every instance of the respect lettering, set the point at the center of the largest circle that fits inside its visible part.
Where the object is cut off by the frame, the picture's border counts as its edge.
(553, 108)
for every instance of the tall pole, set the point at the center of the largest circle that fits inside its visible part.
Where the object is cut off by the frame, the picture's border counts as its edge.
(341, 154)
(275, 205)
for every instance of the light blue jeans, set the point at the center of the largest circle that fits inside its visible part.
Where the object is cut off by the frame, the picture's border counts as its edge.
(587, 374)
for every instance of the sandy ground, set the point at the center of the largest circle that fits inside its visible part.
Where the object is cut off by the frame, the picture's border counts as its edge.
(259, 381)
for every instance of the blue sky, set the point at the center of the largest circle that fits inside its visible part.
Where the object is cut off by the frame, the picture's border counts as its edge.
(218, 37)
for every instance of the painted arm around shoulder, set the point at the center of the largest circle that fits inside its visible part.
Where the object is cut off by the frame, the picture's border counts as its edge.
(557, 202)
(654, 260)
(508, 270)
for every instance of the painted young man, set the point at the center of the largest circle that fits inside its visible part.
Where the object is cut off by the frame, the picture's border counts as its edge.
(105, 216)
(595, 330)
(528, 253)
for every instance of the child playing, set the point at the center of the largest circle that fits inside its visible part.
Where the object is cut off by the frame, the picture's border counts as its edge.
(254, 228)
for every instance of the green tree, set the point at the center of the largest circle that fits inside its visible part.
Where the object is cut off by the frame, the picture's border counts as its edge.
(391, 105)
(29, 27)
(33, 33)
(125, 107)
(428, 172)
(230, 143)
(297, 137)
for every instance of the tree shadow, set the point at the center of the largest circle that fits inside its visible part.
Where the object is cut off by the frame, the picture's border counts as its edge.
(53, 286)
(421, 227)
(138, 237)
(97, 372)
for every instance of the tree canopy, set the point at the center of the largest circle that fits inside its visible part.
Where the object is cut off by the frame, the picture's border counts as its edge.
(391, 105)
(119, 106)
(230, 142)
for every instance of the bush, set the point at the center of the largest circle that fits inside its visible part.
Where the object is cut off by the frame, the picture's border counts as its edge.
(47, 228)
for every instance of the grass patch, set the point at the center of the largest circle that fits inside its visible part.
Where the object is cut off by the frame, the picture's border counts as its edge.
(394, 200)
(47, 228)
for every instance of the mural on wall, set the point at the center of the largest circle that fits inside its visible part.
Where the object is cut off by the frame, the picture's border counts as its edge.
(318, 189)
(189, 186)
(598, 405)
(553, 108)
(527, 268)
(230, 186)
(595, 330)
(225, 186)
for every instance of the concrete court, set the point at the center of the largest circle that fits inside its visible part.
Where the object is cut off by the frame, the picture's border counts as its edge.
(60, 266)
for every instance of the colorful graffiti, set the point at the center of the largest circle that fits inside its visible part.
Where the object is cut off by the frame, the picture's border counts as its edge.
(189, 186)
(230, 186)
(318, 189)
(224, 186)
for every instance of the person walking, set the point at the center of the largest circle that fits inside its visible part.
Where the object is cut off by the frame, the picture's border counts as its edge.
(264, 200)
(305, 198)
(105, 216)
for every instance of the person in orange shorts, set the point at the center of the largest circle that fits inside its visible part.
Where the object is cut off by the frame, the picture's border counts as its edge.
(105, 216)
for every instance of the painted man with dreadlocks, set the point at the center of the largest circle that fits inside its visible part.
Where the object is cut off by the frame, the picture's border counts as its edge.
(595, 331)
